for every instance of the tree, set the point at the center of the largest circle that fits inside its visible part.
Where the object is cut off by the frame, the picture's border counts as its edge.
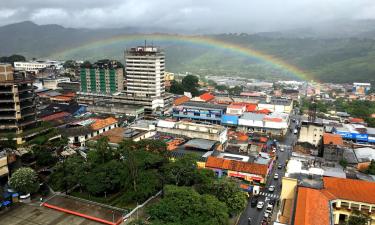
(183, 205)
(190, 84)
(227, 191)
(343, 163)
(25, 180)
(43, 156)
(13, 58)
(358, 218)
(180, 172)
(71, 64)
(371, 168)
(86, 64)
(176, 88)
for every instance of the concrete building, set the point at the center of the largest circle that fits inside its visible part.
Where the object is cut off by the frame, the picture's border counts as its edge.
(104, 107)
(332, 147)
(200, 111)
(105, 77)
(35, 66)
(3, 164)
(144, 66)
(361, 88)
(334, 202)
(280, 105)
(52, 83)
(18, 107)
(193, 130)
(311, 133)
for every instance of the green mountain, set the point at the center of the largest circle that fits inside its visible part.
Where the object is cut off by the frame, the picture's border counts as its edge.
(338, 59)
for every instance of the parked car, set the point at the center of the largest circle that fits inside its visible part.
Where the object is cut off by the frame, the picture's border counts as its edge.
(281, 149)
(271, 188)
(269, 208)
(254, 202)
(280, 166)
(276, 176)
(260, 205)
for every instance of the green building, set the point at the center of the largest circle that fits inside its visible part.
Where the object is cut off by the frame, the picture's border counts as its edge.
(105, 77)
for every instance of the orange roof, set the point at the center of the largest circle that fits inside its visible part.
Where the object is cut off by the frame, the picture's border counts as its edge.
(239, 166)
(114, 135)
(264, 111)
(70, 94)
(312, 207)
(206, 97)
(181, 100)
(56, 116)
(349, 189)
(332, 139)
(251, 107)
(101, 123)
(356, 120)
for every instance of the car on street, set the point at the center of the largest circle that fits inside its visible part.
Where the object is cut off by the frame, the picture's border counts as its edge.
(249, 221)
(280, 166)
(271, 188)
(269, 208)
(260, 205)
(276, 176)
(295, 131)
(281, 149)
(267, 215)
(254, 202)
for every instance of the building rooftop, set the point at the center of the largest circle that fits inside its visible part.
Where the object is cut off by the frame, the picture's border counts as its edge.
(349, 189)
(253, 116)
(181, 100)
(101, 123)
(332, 139)
(252, 168)
(204, 105)
(312, 207)
(200, 144)
(206, 97)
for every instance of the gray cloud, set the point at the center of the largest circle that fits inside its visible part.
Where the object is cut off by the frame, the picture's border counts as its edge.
(203, 15)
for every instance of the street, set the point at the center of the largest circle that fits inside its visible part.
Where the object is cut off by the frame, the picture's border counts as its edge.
(255, 214)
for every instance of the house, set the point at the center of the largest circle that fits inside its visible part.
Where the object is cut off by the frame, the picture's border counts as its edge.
(253, 173)
(335, 202)
(332, 147)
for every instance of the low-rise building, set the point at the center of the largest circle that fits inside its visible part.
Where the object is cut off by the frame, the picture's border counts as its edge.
(104, 107)
(311, 132)
(193, 130)
(332, 147)
(335, 202)
(200, 111)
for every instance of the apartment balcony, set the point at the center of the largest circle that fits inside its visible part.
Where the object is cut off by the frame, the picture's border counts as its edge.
(6, 100)
(26, 105)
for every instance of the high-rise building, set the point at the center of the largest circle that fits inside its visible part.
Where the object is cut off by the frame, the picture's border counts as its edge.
(17, 101)
(144, 66)
(105, 77)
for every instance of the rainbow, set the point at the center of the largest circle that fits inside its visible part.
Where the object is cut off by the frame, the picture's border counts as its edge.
(195, 40)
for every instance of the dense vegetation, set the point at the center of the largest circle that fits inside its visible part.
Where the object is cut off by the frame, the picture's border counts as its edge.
(356, 108)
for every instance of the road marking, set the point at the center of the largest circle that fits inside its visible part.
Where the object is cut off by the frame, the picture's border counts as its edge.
(268, 194)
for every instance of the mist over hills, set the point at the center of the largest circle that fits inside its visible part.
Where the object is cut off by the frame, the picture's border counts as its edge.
(333, 52)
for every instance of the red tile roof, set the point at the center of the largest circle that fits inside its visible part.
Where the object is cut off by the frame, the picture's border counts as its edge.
(251, 107)
(238, 166)
(56, 116)
(206, 97)
(332, 139)
(263, 111)
(101, 123)
(181, 100)
(349, 189)
(312, 207)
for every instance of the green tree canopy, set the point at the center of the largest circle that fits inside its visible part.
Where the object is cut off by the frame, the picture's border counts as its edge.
(13, 58)
(25, 180)
(183, 205)
(227, 191)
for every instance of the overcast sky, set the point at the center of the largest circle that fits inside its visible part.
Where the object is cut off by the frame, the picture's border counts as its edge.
(210, 15)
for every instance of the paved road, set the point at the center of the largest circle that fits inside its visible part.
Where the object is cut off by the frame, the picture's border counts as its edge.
(265, 196)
